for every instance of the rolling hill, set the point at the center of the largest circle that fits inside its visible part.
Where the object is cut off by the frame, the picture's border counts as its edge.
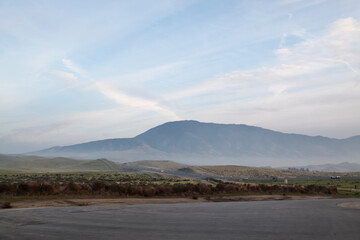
(157, 164)
(231, 171)
(340, 167)
(58, 164)
(197, 143)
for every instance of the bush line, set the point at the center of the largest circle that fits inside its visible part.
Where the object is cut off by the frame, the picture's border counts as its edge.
(152, 190)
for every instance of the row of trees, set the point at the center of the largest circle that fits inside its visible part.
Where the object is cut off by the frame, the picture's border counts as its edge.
(299, 169)
(150, 190)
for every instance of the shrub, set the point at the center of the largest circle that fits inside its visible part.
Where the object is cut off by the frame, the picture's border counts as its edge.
(72, 187)
(6, 205)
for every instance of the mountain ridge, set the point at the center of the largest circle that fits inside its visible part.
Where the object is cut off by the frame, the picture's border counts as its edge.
(194, 142)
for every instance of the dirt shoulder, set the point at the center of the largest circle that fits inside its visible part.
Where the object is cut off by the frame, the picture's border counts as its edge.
(354, 205)
(134, 201)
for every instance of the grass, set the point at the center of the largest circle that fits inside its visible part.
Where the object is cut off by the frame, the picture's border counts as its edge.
(258, 172)
(343, 183)
(83, 177)
(346, 187)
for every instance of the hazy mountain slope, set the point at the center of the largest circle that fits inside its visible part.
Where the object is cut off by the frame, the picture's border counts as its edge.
(157, 164)
(119, 144)
(35, 163)
(199, 143)
(340, 167)
(232, 140)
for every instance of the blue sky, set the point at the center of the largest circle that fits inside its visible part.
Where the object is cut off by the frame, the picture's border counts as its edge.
(76, 71)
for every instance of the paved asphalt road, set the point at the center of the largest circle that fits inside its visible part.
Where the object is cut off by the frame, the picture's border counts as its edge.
(290, 219)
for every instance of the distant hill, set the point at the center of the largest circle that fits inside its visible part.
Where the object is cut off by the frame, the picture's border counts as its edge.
(157, 164)
(197, 143)
(259, 172)
(58, 164)
(340, 167)
(230, 171)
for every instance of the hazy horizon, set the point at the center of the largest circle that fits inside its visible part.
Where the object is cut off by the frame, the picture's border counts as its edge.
(75, 72)
(98, 139)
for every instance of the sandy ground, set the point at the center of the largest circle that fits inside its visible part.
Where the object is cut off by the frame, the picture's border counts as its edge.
(355, 205)
(133, 201)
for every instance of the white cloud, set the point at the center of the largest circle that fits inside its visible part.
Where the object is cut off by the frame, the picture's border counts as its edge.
(305, 3)
(336, 50)
(341, 41)
(66, 77)
(113, 92)
(329, 111)
(283, 40)
(70, 65)
(149, 73)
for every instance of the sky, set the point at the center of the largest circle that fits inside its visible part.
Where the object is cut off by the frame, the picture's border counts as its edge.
(77, 71)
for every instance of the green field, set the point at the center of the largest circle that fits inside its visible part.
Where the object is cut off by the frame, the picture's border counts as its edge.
(347, 187)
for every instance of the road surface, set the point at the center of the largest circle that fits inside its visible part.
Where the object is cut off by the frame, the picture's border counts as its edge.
(287, 219)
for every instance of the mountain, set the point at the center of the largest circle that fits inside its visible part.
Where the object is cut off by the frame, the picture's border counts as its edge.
(58, 164)
(198, 143)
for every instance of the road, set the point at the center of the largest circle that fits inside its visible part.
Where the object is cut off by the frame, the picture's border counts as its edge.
(287, 219)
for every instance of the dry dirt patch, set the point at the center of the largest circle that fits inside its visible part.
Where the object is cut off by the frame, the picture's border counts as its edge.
(355, 205)
(134, 201)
